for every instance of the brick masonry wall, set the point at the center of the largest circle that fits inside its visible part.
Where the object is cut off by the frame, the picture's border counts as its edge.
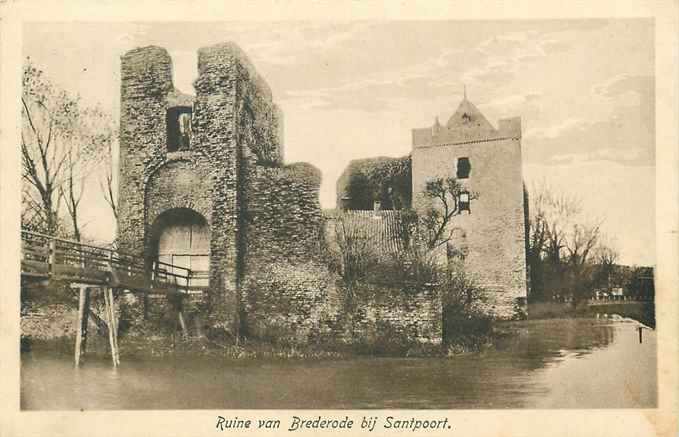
(289, 303)
(146, 79)
(214, 120)
(381, 315)
(284, 218)
(286, 287)
(259, 127)
(178, 184)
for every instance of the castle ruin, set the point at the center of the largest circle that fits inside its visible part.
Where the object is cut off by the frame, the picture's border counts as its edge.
(203, 184)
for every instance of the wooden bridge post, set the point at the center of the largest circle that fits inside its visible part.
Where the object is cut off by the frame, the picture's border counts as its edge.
(180, 316)
(83, 318)
(51, 258)
(152, 278)
(112, 324)
(182, 324)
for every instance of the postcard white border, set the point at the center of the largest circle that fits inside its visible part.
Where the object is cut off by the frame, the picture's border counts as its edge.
(661, 421)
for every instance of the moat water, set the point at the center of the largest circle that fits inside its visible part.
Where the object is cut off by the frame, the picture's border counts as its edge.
(557, 363)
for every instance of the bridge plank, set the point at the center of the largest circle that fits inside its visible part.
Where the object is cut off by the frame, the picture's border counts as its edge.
(35, 250)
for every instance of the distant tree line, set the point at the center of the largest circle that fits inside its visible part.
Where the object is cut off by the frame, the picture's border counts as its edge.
(568, 255)
(634, 281)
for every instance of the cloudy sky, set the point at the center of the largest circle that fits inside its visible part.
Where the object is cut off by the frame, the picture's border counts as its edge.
(584, 90)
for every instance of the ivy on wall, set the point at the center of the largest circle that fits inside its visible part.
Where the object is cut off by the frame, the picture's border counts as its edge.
(385, 180)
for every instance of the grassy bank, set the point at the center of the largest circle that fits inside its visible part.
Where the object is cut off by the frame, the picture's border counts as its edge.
(52, 326)
(158, 346)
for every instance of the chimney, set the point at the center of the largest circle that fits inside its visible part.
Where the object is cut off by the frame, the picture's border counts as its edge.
(376, 208)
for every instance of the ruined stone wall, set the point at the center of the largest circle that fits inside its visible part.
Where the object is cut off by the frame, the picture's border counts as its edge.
(284, 218)
(285, 283)
(179, 184)
(493, 235)
(260, 125)
(266, 227)
(289, 303)
(214, 121)
(146, 80)
(390, 316)
(236, 124)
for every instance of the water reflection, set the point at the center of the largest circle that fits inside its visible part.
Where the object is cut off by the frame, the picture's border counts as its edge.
(569, 363)
(537, 342)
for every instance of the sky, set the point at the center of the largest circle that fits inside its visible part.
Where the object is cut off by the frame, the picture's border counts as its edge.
(354, 89)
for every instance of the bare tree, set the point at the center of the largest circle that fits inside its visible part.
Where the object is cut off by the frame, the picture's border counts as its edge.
(106, 184)
(565, 246)
(61, 142)
(554, 213)
(72, 194)
(438, 217)
(419, 236)
(45, 136)
(605, 257)
(580, 243)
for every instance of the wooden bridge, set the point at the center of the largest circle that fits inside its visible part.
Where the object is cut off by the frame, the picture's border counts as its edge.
(46, 259)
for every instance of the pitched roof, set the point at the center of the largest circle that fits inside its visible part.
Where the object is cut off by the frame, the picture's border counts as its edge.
(468, 116)
(381, 229)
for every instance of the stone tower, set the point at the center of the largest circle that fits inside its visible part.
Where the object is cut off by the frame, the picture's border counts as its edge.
(490, 235)
(184, 161)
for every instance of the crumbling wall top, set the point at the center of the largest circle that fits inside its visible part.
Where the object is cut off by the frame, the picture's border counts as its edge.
(217, 63)
(146, 71)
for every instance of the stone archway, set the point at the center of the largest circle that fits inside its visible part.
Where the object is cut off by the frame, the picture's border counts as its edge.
(181, 237)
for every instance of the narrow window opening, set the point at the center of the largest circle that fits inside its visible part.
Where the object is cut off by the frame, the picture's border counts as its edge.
(464, 202)
(178, 128)
(464, 167)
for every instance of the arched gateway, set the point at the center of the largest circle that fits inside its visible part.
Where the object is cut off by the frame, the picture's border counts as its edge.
(181, 237)
(186, 163)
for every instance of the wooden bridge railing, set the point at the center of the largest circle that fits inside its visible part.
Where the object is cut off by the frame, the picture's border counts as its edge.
(49, 257)
(45, 257)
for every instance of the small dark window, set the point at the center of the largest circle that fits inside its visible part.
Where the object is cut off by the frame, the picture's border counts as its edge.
(463, 168)
(464, 202)
(178, 128)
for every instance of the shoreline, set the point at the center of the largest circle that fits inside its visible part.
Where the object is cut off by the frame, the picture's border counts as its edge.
(50, 329)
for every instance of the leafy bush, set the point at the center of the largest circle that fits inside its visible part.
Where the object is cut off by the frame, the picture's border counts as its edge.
(465, 327)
